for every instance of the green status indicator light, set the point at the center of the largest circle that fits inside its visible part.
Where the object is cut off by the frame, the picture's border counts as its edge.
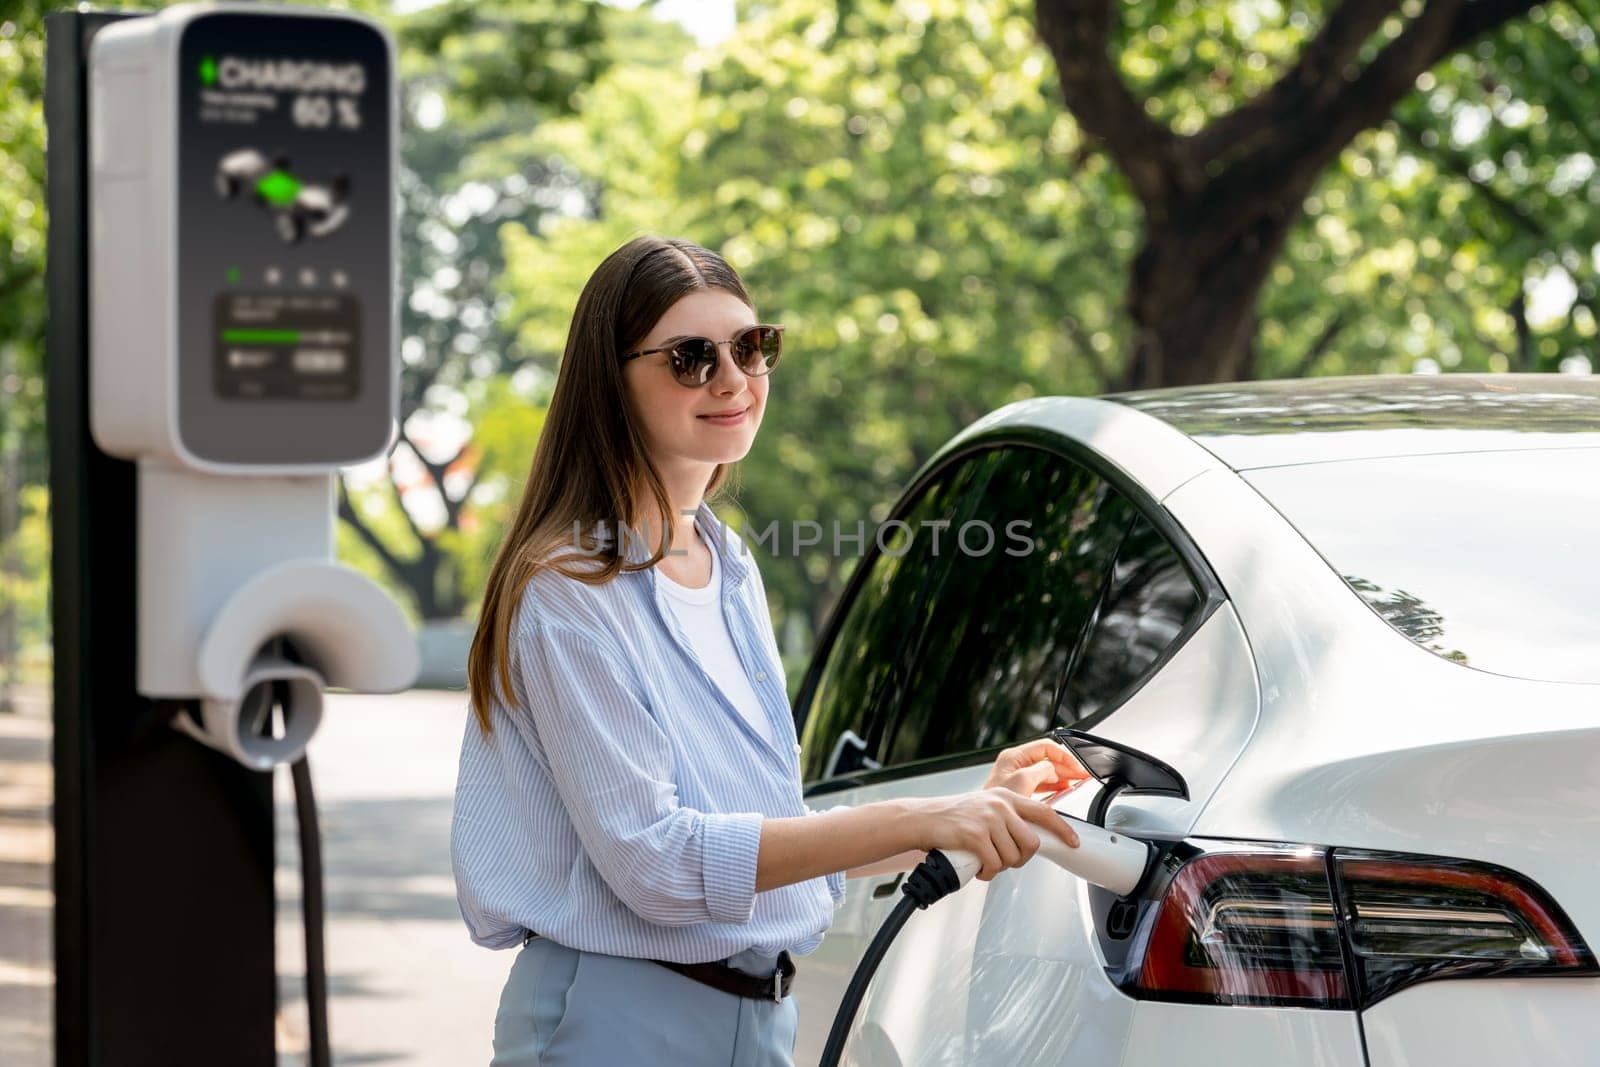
(278, 187)
(208, 71)
(260, 337)
(233, 275)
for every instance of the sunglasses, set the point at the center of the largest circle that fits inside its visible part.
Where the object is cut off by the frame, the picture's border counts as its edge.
(693, 360)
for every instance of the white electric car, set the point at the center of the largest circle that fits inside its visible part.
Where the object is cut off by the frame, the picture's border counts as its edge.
(1360, 618)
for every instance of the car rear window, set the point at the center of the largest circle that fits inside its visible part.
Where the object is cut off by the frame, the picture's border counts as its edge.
(1490, 559)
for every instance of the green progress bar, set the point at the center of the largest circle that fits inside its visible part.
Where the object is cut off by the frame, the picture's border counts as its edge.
(261, 337)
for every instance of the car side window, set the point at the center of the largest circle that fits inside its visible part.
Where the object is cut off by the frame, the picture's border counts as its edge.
(993, 643)
(863, 671)
(1148, 599)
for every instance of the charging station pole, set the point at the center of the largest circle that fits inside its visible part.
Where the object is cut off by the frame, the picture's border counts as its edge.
(163, 877)
(223, 310)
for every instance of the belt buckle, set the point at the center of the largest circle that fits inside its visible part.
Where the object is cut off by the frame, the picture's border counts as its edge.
(777, 986)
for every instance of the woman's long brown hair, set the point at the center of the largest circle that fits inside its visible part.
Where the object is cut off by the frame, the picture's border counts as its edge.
(591, 462)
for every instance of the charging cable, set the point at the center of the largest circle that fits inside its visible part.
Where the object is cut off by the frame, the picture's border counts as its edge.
(1102, 857)
(311, 913)
(933, 879)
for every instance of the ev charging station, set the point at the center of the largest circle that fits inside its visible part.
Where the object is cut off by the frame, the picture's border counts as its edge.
(223, 319)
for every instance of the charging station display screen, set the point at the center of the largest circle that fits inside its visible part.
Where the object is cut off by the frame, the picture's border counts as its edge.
(285, 215)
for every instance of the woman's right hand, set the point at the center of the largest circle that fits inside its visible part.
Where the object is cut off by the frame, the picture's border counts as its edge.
(991, 823)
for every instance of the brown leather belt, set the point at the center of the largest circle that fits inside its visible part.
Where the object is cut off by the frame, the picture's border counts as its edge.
(732, 980)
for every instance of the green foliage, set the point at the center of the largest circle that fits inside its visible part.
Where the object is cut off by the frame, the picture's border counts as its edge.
(1429, 235)
(503, 437)
(25, 551)
(488, 55)
(25, 584)
(22, 234)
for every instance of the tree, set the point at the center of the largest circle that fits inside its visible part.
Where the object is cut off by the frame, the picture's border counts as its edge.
(1220, 196)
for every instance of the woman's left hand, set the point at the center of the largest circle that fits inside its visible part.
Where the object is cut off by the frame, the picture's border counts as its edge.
(1040, 764)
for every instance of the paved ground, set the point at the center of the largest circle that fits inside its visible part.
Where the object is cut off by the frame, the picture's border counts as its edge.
(407, 986)
(26, 971)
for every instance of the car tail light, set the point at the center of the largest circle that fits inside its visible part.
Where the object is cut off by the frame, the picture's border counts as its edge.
(1247, 927)
(1412, 919)
(1250, 923)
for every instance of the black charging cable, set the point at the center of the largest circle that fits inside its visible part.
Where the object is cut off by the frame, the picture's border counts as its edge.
(933, 879)
(311, 913)
(320, 1051)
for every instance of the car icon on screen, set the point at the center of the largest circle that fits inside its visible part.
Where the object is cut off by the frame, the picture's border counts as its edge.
(299, 208)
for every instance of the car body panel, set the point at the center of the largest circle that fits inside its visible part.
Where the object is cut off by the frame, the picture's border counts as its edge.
(1554, 1022)
(1368, 740)
(1167, 1034)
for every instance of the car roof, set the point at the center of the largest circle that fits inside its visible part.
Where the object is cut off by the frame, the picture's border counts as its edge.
(1291, 421)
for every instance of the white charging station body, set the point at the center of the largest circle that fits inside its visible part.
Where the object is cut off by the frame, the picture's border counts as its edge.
(243, 316)
(146, 347)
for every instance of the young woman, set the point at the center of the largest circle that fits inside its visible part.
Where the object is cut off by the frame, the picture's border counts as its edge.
(628, 809)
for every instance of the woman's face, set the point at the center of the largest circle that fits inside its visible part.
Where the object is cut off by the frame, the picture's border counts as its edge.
(674, 416)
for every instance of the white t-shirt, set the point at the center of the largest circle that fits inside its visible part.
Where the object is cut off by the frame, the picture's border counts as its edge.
(699, 613)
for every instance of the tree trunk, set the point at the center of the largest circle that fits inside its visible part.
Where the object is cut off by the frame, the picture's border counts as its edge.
(1219, 203)
(1193, 293)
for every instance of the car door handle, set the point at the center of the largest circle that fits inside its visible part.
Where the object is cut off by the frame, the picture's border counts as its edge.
(886, 888)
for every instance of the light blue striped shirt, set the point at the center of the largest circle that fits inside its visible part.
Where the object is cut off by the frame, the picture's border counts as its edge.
(620, 809)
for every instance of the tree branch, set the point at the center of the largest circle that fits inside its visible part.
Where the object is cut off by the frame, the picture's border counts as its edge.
(1443, 27)
(1478, 18)
(349, 514)
(1101, 370)
(1462, 168)
(1249, 368)
(1320, 346)
(1316, 75)
(1519, 316)
(436, 473)
(472, 483)
(400, 502)
(1078, 34)
(1292, 151)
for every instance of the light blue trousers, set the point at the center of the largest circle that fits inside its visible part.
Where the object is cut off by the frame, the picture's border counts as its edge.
(564, 1007)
